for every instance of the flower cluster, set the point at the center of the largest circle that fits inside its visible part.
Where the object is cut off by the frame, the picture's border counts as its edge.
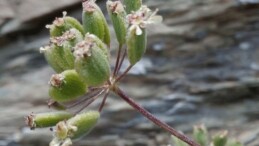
(80, 56)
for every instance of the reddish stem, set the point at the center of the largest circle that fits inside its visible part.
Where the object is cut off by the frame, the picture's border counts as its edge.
(122, 60)
(104, 101)
(124, 73)
(152, 118)
(117, 61)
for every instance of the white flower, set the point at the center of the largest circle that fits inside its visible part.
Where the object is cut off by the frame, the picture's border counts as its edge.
(63, 133)
(141, 18)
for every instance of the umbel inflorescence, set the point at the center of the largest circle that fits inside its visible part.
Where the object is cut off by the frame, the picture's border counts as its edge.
(80, 56)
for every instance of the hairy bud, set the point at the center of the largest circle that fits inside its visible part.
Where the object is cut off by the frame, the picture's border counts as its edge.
(91, 63)
(74, 128)
(59, 54)
(137, 39)
(63, 24)
(118, 17)
(66, 86)
(136, 46)
(46, 119)
(94, 21)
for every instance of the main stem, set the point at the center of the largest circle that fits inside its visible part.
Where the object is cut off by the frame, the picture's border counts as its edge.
(155, 120)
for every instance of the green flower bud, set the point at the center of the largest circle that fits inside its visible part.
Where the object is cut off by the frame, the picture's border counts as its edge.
(84, 122)
(132, 5)
(137, 39)
(94, 21)
(74, 128)
(91, 63)
(178, 142)
(63, 24)
(118, 17)
(200, 135)
(136, 46)
(93, 38)
(220, 139)
(66, 86)
(59, 54)
(53, 57)
(46, 119)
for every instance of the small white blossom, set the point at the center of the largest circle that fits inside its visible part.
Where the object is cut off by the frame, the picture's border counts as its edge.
(62, 134)
(141, 18)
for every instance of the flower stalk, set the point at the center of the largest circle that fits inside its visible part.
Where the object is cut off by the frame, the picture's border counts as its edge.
(152, 118)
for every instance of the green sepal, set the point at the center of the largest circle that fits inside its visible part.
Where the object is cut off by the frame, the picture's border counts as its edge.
(94, 22)
(44, 120)
(93, 38)
(63, 24)
(132, 5)
(136, 46)
(84, 122)
(59, 53)
(67, 86)
(56, 57)
(92, 65)
(118, 18)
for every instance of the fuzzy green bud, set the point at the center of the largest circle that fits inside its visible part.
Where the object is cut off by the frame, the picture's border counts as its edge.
(74, 128)
(66, 86)
(93, 38)
(94, 21)
(200, 135)
(84, 122)
(136, 46)
(63, 24)
(118, 18)
(59, 54)
(132, 5)
(220, 139)
(91, 63)
(137, 38)
(46, 119)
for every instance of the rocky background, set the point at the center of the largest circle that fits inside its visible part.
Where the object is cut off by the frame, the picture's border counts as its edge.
(202, 66)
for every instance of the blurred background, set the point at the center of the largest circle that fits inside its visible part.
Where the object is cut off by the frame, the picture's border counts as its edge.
(201, 66)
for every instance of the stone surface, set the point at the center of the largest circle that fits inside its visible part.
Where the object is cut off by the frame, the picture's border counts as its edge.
(201, 66)
(25, 14)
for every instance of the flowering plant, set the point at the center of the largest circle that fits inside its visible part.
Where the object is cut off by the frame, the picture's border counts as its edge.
(80, 55)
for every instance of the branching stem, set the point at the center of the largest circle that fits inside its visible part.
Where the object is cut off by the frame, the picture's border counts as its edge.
(124, 73)
(155, 120)
(103, 101)
(117, 60)
(121, 61)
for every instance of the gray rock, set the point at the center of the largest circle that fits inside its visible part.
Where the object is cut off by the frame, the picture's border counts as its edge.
(182, 108)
